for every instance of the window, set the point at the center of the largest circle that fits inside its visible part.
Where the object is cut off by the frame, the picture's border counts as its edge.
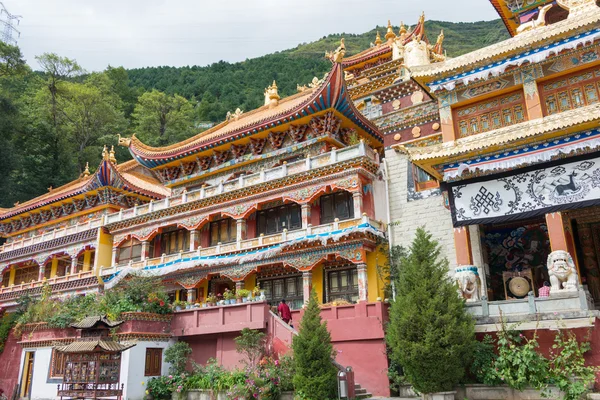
(26, 274)
(574, 91)
(277, 219)
(223, 231)
(423, 181)
(153, 362)
(337, 205)
(173, 241)
(130, 250)
(289, 289)
(57, 364)
(342, 284)
(490, 114)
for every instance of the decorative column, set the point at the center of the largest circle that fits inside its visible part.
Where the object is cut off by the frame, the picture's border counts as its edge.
(41, 272)
(73, 266)
(306, 285)
(305, 209)
(590, 260)
(113, 262)
(241, 229)
(447, 123)
(363, 290)
(194, 239)
(357, 199)
(462, 244)
(239, 285)
(11, 277)
(87, 260)
(145, 250)
(533, 102)
(190, 295)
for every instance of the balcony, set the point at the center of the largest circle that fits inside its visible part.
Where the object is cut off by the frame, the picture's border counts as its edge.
(54, 234)
(316, 233)
(81, 280)
(220, 319)
(245, 181)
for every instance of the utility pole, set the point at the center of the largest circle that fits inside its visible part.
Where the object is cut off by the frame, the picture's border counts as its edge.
(7, 26)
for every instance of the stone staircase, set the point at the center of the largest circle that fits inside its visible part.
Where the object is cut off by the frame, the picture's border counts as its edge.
(361, 393)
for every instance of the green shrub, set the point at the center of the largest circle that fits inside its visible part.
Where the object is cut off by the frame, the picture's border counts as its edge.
(483, 358)
(430, 333)
(567, 366)
(178, 355)
(251, 344)
(315, 376)
(160, 388)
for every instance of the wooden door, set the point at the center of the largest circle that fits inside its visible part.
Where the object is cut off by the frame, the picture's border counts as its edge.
(27, 374)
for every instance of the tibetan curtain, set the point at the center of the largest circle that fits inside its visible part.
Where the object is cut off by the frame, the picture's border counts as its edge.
(531, 192)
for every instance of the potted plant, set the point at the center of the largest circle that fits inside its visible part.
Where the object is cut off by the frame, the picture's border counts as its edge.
(228, 296)
(243, 295)
(256, 292)
(211, 299)
(178, 305)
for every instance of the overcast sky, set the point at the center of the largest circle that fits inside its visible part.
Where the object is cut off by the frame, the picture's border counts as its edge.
(138, 33)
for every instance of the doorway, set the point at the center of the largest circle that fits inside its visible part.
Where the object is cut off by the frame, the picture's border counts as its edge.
(27, 376)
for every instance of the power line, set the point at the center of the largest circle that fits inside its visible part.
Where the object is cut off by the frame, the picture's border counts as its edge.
(7, 26)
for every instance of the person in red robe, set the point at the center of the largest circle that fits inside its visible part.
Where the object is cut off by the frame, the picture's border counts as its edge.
(284, 312)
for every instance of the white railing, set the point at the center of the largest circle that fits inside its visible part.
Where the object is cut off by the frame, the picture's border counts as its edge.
(333, 157)
(52, 281)
(54, 234)
(257, 242)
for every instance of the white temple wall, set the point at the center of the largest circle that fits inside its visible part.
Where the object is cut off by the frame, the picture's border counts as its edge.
(133, 364)
(42, 388)
(410, 209)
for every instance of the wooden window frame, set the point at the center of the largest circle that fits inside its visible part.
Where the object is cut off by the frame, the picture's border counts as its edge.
(179, 238)
(335, 196)
(351, 290)
(495, 112)
(566, 87)
(130, 244)
(31, 275)
(57, 364)
(294, 301)
(232, 234)
(153, 361)
(283, 217)
(421, 186)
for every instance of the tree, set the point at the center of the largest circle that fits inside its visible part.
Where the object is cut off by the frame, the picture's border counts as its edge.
(251, 343)
(315, 376)
(178, 356)
(11, 60)
(161, 119)
(430, 333)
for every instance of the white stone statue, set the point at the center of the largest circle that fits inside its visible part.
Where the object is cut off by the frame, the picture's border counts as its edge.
(468, 281)
(562, 271)
(416, 53)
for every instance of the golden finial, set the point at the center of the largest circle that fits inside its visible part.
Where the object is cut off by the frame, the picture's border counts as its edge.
(339, 53)
(422, 18)
(50, 188)
(111, 155)
(402, 28)
(104, 153)
(271, 95)
(86, 171)
(377, 39)
(440, 38)
(390, 35)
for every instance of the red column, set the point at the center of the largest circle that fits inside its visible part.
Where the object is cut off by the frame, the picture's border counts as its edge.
(462, 244)
(561, 236)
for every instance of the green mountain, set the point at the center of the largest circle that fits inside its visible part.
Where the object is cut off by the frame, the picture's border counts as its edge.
(223, 86)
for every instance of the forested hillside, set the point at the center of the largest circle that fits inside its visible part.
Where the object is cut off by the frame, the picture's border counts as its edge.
(54, 121)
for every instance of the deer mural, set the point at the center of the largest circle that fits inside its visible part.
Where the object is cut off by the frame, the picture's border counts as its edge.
(561, 189)
(535, 23)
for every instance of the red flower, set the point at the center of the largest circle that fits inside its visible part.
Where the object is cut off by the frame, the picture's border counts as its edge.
(162, 303)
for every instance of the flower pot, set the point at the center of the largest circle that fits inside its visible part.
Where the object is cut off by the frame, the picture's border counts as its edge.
(238, 300)
(187, 307)
(245, 300)
(262, 295)
(178, 308)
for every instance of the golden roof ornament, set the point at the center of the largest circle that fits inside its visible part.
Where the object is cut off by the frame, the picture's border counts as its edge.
(339, 53)
(271, 95)
(402, 30)
(111, 155)
(86, 171)
(377, 39)
(300, 89)
(315, 82)
(125, 142)
(105, 155)
(390, 35)
(234, 116)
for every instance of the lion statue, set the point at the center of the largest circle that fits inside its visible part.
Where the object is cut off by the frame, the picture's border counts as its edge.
(562, 271)
(468, 281)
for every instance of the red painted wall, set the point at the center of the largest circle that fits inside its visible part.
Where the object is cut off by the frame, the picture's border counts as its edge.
(315, 213)
(9, 365)
(220, 347)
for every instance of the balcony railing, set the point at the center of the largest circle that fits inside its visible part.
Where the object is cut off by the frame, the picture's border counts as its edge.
(244, 181)
(54, 234)
(257, 242)
(51, 281)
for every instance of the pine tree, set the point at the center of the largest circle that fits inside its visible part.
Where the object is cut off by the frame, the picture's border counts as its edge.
(315, 376)
(430, 334)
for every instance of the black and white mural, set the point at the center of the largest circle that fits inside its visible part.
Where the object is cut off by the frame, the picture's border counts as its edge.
(536, 192)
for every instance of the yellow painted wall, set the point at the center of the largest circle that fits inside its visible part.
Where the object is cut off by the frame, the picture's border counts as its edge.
(250, 282)
(87, 255)
(375, 279)
(203, 290)
(317, 281)
(103, 250)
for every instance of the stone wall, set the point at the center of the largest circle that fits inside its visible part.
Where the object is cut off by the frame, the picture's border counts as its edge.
(410, 209)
